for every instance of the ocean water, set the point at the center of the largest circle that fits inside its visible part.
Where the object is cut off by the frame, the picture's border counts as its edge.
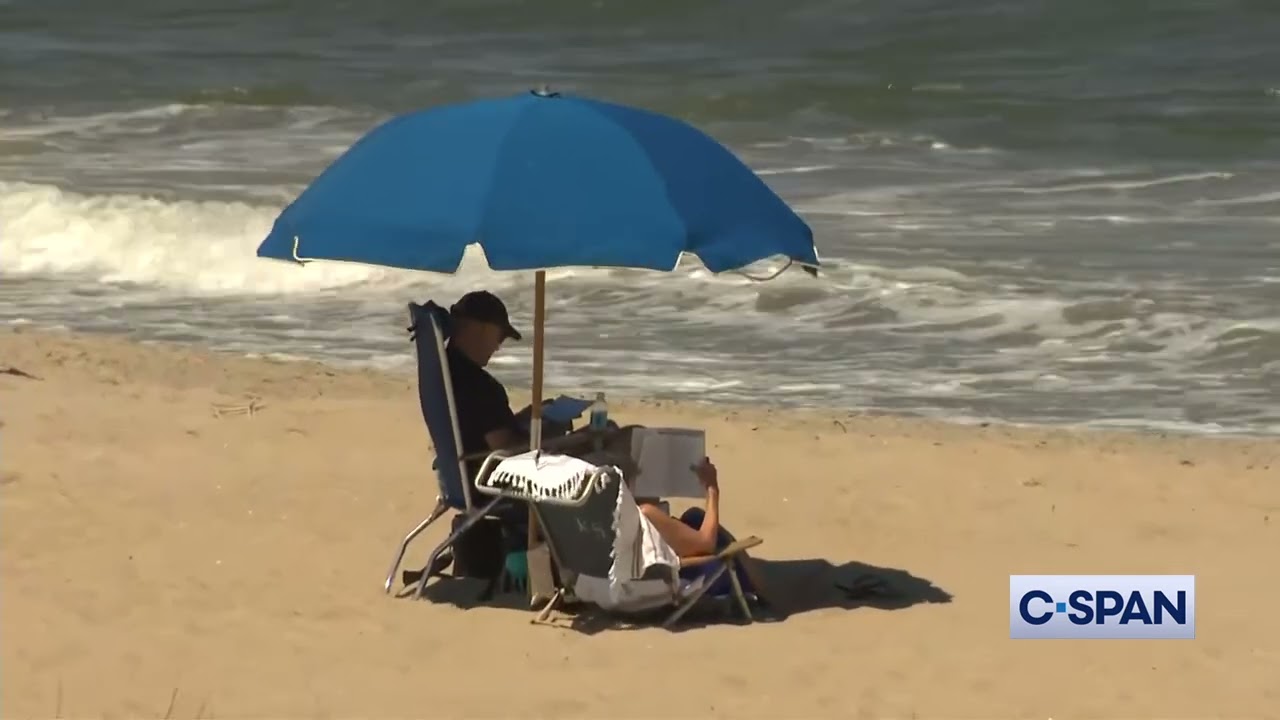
(1031, 211)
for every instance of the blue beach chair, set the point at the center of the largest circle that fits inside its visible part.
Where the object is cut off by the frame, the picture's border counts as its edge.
(429, 329)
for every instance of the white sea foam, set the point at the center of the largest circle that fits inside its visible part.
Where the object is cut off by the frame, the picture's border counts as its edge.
(188, 246)
(931, 331)
(142, 120)
(1123, 184)
(1256, 199)
(794, 170)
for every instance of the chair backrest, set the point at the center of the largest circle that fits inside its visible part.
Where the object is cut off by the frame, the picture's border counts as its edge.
(428, 329)
(582, 537)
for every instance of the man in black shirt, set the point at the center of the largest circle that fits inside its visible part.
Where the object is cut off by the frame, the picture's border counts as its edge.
(485, 422)
(485, 419)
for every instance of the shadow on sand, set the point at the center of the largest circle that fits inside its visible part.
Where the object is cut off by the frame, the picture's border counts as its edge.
(801, 586)
(468, 594)
(795, 587)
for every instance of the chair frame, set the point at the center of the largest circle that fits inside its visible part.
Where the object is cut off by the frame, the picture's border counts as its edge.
(469, 509)
(728, 558)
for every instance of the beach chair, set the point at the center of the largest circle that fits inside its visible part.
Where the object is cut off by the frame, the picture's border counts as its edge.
(581, 522)
(428, 328)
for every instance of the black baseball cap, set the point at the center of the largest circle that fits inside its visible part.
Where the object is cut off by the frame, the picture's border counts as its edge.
(484, 306)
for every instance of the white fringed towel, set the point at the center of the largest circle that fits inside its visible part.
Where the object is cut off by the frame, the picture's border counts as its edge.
(541, 476)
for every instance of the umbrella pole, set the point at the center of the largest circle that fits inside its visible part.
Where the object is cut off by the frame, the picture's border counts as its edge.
(535, 425)
(539, 320)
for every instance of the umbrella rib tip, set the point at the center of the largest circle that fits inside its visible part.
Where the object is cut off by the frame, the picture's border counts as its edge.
(296, 257)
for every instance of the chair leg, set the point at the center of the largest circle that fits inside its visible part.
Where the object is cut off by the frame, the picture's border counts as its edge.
(692, 600)
(476, 516)
(740, 596)
(441, 507)
(552, 604)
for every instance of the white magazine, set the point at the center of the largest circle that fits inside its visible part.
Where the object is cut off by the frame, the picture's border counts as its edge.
(666, 458)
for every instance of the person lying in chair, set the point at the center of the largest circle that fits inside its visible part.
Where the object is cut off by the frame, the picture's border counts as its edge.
(698, 530)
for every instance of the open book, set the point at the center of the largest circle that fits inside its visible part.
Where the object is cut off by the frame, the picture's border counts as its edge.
(666, 458)
(563, 410)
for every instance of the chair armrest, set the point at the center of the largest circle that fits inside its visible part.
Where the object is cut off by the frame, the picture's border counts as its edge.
(734, 548)
(550, 445)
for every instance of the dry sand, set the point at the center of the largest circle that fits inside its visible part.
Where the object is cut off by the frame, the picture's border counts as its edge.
(149, 547)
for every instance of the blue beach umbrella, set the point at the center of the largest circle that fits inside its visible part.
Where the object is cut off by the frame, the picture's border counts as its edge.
(539, 180)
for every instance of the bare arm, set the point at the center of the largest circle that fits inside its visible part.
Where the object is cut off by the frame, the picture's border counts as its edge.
(684, 540)
(500, 439)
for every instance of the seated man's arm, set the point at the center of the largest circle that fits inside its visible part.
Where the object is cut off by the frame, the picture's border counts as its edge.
(501, 429)
(502, 438)
(509, 429)
(508, 438)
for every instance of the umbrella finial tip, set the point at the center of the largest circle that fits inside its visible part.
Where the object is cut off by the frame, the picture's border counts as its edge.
(545, 91)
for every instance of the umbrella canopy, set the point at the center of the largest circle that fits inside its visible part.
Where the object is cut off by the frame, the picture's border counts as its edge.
(539, 180)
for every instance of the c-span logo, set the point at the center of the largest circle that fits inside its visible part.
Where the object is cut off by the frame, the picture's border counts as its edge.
(1133, 607)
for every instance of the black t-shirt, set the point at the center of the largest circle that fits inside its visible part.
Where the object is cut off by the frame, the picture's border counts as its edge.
(482, 405)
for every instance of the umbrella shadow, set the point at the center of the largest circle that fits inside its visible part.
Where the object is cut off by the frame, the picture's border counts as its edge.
(793, 587)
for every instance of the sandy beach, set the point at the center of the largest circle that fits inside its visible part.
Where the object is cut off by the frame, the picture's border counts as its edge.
(162, 559)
